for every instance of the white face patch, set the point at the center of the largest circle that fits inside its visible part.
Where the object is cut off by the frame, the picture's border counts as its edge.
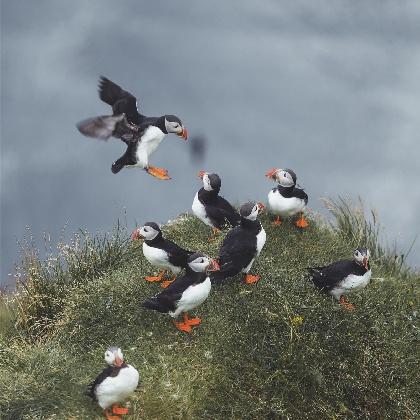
(284, 178)
(148, 233)
(110, 356)
(206, 183)
(254, 213)
(173, 127)
(200, 264)
(359, 257)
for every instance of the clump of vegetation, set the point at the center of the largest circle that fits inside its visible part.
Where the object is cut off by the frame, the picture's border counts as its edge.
(276, 349)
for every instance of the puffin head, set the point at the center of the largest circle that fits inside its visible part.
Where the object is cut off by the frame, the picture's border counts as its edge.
(251, 210)
(149, 232)
(114, 356)
(285, 177)
(361, 256)
(211, 182)
(200, 263)
(174, 125)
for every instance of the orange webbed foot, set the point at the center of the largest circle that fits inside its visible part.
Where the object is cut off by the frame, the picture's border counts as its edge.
(302, 222)
(215, 232)
(250, 279)
(117, 409)
(159, 277)
(194, 321)
(181, 326)
(278, 221)
(346, 305)
(159, 173)
(167, 283)
(109, 416)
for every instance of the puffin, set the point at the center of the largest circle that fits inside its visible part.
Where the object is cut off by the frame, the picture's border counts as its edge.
(343, 276)
(242, 246)
(287, 199)
(210, 207)
(161, 252)
(141, 134)
(186, 292)
(114, 384)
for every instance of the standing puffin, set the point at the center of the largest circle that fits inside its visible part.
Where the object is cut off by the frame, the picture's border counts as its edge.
(114, 384)
(343, 276)
(210, 208)
(286, 199)
(141, 134)
(242, 245)
(161, 252)
(186, 292)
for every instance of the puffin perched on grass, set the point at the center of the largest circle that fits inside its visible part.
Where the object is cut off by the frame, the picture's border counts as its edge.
(186, 292)
(114, 384)
(286, 199)
(141, 134)
(343, 276)
(161, 252)
(210, 207)
(242, 245)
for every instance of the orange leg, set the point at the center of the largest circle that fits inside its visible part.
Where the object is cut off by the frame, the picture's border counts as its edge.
(117, 409)
(108, 415)
(278, 221)
(346, 305)
(302, 222)
(159, 277)
(215, 232)
(182, 326)
(158, 173)
(191, 321)
(166, 283)
(250, 279)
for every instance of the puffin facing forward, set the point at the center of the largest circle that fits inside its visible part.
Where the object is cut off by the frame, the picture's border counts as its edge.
(212, 209)
(161, 252)
(343, 276)
(186, 292)
(242, 245)
(114, 384)
(141, 134)
(286, 199)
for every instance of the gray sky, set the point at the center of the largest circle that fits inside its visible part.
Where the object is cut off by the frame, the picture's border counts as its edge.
(330, 89)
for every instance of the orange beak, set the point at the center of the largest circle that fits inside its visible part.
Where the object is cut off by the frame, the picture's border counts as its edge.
(261, 207)
(201, 174)
(183, 133)
(271, 173)
(136, 235)
(366, 263)
(213, 266)
(118, 362)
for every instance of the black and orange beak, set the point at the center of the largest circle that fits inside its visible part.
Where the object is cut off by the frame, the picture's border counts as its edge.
(183, 133)
(366, 263)
(201, 174)
(136, 235)
(118, 362)
(271, 173)
(261, 207)
(213, 266)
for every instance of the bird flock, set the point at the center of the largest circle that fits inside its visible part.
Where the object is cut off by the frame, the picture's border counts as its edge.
(240, 248)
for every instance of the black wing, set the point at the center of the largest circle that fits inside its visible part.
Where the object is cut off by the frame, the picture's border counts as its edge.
(122, 102)
(299, 193)
(177, 256)
(221, 212)
(90, 391)
(330, 275)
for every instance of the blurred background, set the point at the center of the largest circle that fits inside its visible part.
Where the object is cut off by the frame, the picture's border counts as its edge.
(329, 89)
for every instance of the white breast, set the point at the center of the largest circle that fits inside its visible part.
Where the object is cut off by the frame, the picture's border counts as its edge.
(199, 211)
(150, 140)
(159, 258)
(192, 297)
(284, 206)
(261, 238)
(350, 283)
(116, 389)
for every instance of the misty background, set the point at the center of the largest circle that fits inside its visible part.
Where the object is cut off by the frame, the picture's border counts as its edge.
(329, 89)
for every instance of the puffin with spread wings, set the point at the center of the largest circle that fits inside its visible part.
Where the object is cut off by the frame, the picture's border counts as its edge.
(141, 134)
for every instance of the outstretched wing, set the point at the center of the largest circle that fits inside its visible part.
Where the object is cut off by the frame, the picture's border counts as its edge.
(101, 127)
(122, 102)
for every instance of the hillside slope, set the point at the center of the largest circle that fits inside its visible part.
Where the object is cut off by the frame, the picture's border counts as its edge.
(276, 349)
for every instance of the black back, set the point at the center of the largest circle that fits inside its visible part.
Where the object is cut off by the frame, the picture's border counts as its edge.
(330, 276)
(109, 371)
(218, 210)
(292, 191)
(167, 300)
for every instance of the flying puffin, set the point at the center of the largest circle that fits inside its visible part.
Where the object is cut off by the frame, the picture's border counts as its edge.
(114, 384)
(212, 209)
(343, 276)
(286, 199)
(161, 252)
(186, 292)
(141, 134)
(242, 245)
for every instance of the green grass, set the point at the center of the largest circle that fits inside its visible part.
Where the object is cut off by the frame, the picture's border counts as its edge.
(277, 349)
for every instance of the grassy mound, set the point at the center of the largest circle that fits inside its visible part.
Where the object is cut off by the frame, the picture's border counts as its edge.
(276, 349)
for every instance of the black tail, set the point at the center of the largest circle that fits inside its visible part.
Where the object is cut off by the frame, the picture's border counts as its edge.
(217, 277)
(155, 305)
(124, 160)
(315, 276)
